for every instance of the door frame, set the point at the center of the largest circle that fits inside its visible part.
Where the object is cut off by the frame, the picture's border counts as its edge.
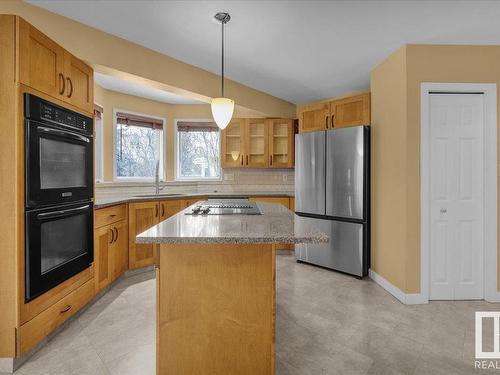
(490, 228)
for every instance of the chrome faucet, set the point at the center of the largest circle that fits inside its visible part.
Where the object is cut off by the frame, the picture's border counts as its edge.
(157, 178)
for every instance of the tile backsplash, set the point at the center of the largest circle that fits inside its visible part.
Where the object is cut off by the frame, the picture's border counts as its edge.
(233, 180)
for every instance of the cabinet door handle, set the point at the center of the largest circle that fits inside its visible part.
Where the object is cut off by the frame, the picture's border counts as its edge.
(326, 120)
(241, 159)
(333, 121)
(112, 236)
(62, 84)
(66, 309)
(116, 233)
(247, 159)
(156, 210)
(271, 159)
(162, 209)
(70, 83)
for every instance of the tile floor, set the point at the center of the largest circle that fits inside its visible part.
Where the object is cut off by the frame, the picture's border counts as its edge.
(327, 323)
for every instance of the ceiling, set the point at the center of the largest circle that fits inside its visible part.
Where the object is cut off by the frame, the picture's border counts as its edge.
(136, 89)
(299, 51)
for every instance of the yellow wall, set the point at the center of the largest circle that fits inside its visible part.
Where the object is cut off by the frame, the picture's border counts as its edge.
(113, 55)
(388, 158)
(110, 100)
(424, 63)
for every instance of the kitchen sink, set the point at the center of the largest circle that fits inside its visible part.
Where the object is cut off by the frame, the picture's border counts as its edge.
(157, 195)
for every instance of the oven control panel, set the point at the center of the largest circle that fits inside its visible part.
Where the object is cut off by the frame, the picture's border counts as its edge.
(42, 110)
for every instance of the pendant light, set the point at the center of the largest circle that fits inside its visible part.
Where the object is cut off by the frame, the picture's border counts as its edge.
(222, 108)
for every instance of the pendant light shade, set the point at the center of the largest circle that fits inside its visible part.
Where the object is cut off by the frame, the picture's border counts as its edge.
(222, 111)
(222, 108)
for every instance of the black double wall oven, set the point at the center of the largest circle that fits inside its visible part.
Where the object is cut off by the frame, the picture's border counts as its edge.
(59, 188)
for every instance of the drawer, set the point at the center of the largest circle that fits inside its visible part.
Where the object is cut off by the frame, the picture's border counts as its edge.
(108, 215)
(47, 321)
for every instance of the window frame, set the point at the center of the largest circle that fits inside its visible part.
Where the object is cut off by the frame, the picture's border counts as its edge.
(163, 146)
(178, 177)
(99, 134)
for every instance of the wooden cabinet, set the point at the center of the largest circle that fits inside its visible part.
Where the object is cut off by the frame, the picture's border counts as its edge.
(316, 118)
(103, 239)
(281, 143)
(47, 67)
(170, 207)
(41, 61)
(258, 143)
(119, 250)
(189, 202)
(110, 245)
(79, 83)
(142, 216)
(233, 144)
(351, 111)
(339, 113)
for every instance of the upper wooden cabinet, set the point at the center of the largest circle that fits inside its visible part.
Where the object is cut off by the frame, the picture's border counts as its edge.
(351, 111)
(281, 143)
(258, 143)
(79, 83)
(233, 144)
(348, 111)
(47, 67)
(41, 61)
(315, 119)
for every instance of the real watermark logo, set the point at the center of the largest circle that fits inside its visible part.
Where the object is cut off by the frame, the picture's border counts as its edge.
(487, 359)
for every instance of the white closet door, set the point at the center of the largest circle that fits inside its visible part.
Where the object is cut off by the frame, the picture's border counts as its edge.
(457, 194)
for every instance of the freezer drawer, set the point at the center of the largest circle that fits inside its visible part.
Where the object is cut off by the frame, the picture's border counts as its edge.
(345, 252)
(310, 173)
(346, 172)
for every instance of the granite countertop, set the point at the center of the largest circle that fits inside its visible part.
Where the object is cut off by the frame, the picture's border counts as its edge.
(102, 202)
(277, 224)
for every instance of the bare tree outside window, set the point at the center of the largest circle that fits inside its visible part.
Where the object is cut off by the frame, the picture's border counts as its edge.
(137, 149)
(198, 151)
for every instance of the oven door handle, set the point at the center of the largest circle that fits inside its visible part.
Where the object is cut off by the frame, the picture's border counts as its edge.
(63, 133)
(51, 215)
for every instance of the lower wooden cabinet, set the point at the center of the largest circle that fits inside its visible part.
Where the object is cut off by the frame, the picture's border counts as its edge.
(120, 249)
(170, 207)
(189, 202)
(33, 331)
(142, 216)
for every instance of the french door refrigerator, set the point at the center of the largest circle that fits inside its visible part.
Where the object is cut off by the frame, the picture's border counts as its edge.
(332, 187)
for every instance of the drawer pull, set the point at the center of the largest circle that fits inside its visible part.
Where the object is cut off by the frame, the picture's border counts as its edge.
(66, 309)
(112, 215)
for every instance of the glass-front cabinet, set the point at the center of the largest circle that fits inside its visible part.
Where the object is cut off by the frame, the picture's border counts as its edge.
(281, 143)
(232, 150)
(258, 143)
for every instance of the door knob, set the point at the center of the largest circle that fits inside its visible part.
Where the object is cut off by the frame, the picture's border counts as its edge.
(443, 210)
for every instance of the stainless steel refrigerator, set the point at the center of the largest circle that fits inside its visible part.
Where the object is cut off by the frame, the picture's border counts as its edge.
(332, 191)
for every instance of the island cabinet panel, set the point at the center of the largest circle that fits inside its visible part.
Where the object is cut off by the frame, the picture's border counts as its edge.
(314, 119)
(281, 143)
(233, 144)
(216, 309)
(351, 111)
(142, 216)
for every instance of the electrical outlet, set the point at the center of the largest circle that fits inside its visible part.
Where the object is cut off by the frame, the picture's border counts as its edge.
(285, 177)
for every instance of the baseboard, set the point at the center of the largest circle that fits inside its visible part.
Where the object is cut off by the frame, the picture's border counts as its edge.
(407, 299)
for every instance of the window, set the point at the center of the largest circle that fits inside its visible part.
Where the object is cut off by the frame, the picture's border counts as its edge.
(98, 114)
(198, 150)
(138, 146)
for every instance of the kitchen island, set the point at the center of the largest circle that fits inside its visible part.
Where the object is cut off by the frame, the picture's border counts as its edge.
(216, 289)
